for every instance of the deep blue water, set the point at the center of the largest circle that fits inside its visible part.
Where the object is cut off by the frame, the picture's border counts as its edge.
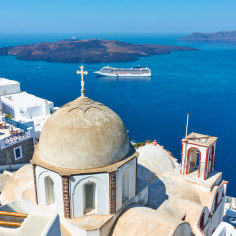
(202, 83)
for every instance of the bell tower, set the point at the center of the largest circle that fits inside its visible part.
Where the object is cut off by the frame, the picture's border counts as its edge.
(198, 155)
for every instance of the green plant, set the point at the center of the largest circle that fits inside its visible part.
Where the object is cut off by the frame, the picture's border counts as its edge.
(8, 116)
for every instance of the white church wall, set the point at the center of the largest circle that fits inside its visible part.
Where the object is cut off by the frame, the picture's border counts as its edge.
(217, 216)
(101, 193)
(41, 174)
(206, 223)
(131, 168)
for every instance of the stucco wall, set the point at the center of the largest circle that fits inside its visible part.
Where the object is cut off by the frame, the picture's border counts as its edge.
(41, 174)
(131, 167)
(77, 183)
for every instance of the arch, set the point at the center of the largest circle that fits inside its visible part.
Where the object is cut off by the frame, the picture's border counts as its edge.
(193, 160)
(49, 190)
(125, 185)
(202, 223)
(98, 201)
(89, 197)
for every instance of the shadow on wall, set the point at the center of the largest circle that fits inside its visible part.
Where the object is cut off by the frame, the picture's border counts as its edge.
(156, 190)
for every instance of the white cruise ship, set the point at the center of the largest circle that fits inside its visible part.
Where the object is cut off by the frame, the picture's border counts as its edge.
(124, 72)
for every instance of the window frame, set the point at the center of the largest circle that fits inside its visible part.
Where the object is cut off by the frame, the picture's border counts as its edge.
(17, 158)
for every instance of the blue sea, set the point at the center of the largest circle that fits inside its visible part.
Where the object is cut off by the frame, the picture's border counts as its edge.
(201, 83)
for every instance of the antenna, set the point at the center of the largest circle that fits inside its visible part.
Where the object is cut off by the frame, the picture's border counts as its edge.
(187, 126)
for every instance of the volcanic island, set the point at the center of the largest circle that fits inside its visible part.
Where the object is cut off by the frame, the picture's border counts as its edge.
(88, 51)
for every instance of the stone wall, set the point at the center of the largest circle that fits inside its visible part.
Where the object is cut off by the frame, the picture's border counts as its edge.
(112, 187)
(66, 196)
(7, 154)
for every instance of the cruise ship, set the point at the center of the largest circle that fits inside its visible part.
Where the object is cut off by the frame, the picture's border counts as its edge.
(137, 71)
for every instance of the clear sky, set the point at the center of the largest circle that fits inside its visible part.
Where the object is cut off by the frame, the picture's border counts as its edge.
(117, 16)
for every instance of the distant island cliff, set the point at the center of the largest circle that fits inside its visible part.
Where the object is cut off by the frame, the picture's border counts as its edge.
(223, 36)
(87, 51)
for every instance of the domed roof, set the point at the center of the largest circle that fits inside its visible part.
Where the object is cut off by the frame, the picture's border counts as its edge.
(84, 134)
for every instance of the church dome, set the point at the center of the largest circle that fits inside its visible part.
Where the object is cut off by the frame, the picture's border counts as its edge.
(84, 134)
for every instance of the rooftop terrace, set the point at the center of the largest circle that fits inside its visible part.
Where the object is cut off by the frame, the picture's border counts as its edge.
(12, 131)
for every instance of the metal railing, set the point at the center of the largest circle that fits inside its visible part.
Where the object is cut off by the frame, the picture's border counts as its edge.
(12, 223)
(16, 124)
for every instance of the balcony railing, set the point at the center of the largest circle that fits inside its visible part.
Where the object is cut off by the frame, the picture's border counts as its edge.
(16, 124)
(16, 138)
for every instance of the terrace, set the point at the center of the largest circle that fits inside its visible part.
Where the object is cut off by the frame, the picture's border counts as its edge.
(12, 132)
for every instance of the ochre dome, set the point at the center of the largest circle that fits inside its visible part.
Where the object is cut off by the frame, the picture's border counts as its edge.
(84, 134)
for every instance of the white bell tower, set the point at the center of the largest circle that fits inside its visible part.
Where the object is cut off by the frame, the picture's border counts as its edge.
(198, 155)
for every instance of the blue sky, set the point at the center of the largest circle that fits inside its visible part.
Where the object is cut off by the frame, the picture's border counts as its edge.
(120, 16)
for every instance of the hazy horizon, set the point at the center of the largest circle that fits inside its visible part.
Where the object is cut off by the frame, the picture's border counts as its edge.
(133, 16)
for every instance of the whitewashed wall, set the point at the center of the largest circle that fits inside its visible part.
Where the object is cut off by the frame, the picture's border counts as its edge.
(101, 193)
(9, 88)
(36, 110)
(131, 167)
(41, 173)
(217, 216)
(8, 109)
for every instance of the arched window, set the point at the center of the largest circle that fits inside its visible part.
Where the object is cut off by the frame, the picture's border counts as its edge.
(125, 186)
(216, 200)
(49, 190)
(202, 220)
(89, 197)
(193, 159)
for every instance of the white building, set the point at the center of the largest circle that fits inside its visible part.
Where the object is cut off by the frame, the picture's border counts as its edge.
(24, 107)
(16, 144)
(8, 86)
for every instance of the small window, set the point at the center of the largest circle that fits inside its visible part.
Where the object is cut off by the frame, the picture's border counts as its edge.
(18, 153)
(89, 194)
(49, 190)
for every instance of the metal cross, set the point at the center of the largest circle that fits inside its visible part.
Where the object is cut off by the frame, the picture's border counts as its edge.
(82, 73)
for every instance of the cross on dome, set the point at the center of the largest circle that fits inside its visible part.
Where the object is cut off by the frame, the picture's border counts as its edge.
(82, 73)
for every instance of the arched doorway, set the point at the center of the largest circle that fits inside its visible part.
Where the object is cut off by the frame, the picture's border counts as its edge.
(49, 190)
(193, 162)
(125, 186)
(89, 197)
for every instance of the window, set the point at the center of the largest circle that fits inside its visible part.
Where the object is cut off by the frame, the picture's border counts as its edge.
(125, 186)
(49, 190)
(17, 153)
(89, 195)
